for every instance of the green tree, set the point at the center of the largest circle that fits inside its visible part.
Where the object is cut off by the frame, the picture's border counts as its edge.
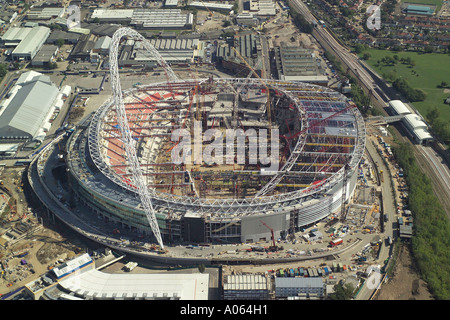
(342, 292)
(3, 70)
(366, 56)
(432, 115)
(59, 42)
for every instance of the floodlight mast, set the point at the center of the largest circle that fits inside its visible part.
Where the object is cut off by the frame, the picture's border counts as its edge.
(127, 139)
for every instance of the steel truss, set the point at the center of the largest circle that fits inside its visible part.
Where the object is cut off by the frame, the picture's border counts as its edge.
(303, 97)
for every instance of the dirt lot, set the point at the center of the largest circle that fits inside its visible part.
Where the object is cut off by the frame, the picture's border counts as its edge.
(405, 284)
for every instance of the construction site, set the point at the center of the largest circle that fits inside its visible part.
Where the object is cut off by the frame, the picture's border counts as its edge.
(319, 139)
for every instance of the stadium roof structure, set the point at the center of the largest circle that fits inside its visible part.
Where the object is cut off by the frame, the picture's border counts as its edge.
(26, 111)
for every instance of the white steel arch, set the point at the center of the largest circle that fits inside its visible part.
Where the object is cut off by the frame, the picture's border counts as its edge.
(124, 127)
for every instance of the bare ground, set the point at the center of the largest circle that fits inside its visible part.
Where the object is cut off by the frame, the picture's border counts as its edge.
(405, 283)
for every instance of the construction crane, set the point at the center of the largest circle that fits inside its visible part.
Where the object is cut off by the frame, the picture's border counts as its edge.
(210, 12)
(274, 247)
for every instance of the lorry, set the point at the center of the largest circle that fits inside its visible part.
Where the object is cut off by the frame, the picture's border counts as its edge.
(336, 242)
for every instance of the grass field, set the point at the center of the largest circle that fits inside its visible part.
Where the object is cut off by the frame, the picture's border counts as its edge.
(428, 73)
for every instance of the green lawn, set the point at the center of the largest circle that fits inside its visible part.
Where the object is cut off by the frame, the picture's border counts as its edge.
(430, 70)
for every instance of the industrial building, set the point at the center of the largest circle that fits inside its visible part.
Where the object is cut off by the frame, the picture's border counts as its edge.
(146, 19)
(306, 288)
(68, 37)
(13, 36)
(249, 48)
(262, 8)
(83, 49)
(31, 44)
(299, 64)
(45, 56)
(212, 6)
(246, 20)
(101, 46)
(170, 4)
(246, 287)
(26, 111)
(174, 51)
(45, 13)
(79, 279)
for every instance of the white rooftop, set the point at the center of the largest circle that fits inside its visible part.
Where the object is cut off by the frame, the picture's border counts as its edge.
(125, 285)
(399, 107)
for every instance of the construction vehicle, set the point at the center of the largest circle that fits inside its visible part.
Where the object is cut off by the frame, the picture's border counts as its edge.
(273, 247)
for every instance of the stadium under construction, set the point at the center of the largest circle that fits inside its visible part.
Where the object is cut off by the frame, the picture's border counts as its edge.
(120, 162)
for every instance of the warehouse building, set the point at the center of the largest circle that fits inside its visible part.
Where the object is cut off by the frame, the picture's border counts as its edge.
(306, 288)
(299, 64)
(146, 18)
(263, 8)
(45, 13)
(68, 37)
(25, 113)
(45, 56)
(102, 45)
(246, 287)
(161, 19)
(83, 48)
(246, 20)
(13, 36)
(249, 48)
(174, 51)
(31, 44)
(212, 6)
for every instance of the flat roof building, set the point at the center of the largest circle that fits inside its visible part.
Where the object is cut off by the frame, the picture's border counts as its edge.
(299, 287)
(14, 35)
(146, 18)
(246, 287)
(212, 6)
(25, 113)
(299, 64)
(250, 49)
(177, 51)
(45, 56)
(31, 44)
(45, 13)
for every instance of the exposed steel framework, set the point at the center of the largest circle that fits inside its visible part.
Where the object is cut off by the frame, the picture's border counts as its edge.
(155, 110)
